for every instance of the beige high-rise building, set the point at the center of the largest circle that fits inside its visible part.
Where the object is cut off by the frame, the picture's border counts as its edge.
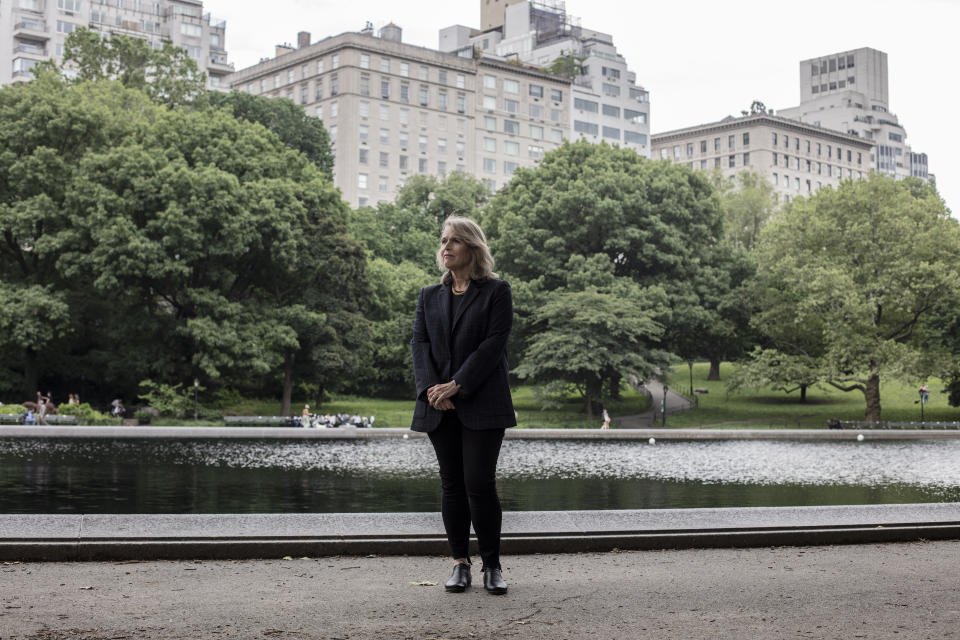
(849, 91)
(395, 110)
(797, 158)
(35, 30)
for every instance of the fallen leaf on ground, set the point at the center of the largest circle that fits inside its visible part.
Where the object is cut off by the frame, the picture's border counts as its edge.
(424, 583)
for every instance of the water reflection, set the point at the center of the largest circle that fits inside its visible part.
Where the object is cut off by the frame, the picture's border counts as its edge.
(39, 476)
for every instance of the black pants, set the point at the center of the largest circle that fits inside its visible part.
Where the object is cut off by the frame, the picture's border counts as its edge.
(468, 467)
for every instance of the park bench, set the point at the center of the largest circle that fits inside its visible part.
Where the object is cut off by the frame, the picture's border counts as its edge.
(15, 418)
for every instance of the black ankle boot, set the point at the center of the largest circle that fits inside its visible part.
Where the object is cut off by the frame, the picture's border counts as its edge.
(459, 579)
(493, 581)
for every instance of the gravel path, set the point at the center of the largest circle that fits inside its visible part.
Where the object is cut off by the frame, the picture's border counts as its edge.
(860, 591)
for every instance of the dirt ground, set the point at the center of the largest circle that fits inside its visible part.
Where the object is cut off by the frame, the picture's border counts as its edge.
(860, 591)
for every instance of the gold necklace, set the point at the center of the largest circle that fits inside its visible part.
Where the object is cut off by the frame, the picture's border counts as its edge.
(459, 292)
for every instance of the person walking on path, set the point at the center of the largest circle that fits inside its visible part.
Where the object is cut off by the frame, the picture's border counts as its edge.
(460, 333)
(606, 420)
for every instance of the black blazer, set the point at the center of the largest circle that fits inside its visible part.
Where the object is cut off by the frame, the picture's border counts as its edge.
(472, 350)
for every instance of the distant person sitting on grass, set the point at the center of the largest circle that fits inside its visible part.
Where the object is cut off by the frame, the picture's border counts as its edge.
(28, 417)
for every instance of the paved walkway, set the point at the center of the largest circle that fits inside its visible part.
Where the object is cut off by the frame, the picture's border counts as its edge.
(887, 591)
(675, 402)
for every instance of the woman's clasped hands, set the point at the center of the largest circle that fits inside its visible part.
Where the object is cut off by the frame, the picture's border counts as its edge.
(439, 395)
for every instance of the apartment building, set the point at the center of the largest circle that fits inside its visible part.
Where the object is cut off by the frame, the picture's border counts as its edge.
(797, 158)
(607, 104)
(394, 110)
(849, 92)
(35, 30)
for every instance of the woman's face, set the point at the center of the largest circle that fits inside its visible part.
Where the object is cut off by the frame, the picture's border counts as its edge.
(455, 253)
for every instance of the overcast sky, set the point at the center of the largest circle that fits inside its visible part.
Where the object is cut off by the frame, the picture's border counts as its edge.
(701, 60)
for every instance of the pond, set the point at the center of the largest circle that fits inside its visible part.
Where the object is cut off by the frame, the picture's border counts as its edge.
(205, 476)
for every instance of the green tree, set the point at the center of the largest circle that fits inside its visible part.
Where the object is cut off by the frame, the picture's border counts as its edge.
(855, 271)
(748, 202)
(567, 65)
(168, 75)
(287, 120)
(654, 225)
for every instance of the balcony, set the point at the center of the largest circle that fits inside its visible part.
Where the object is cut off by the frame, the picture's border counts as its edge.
(30, 49)
(217, 63)
(35, 29)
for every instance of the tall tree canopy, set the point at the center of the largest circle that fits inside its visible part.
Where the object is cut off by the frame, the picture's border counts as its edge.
(847, 276)
(188, 225)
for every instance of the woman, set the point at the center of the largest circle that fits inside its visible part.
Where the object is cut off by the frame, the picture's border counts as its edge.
(463, 395)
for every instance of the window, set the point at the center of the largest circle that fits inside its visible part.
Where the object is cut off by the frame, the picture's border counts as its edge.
(422, 165)
(460, 148)
(732, 161)
(636, 117)
(335, 61)
(716, 162)
(534, 151)
(442, 122)
(689, 149)
(461, 81)
(385, 112)
(610, 110)
(786, 142)
(424, 97)
(424, 117)
(319, 66)
(489, 103)
(703, 146)
(511, 126)
(404, 116)
(383, 184)
(555, 115)
(511, 148)
(384, 65)
(363, 108)
(635, 138)
(536, 132)
(511, 106)
(556, 95)
(611, 132)
(819, 148)
(611, 90)
(859, 158)
(364, 132)
(192, 30)
(442, 76)
(489, 82)
(491, 185)
(334, 85)
(556, 135)
(362, 180)
(318, 91)
(441, 167)
(676, 152)
(797, 183)
(441, 145)
(363, 155)
(404, 139)
(304, 94)
(774, 158)
(364, 61)
(511, 86)
(611, 73)
(490, 144)
(839, 154)
(334, 109)
(746, 139)
(585, 105)
(509, 167)
(809, 166)
(716, 145)
(385, 89)
(405, 93)
(489, 165)
(442, 100)
(384, 136)
(424, 73)
(731, 141)
(808, 146)
(586, 127)
(703, 164)
(422, 140)
(489, 123)
(639, 95)
(775, 180)
(536, 91)
(66, 5)
(746, 159)
(461, 103)
(403, 162)
(536, 111)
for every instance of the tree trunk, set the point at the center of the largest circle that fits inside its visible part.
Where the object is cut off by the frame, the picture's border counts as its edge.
(31, 375)
(287, 383)
(319, 400)
(594, 385)
(803, 393)
(872, 393)
(714, 374)
(614, 382)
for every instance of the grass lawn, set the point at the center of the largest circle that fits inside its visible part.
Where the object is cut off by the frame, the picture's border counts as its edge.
(398, 413)
(766, 407)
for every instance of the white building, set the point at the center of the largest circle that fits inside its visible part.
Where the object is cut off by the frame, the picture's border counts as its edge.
(35, 30)
(849, 92)
(607, 105)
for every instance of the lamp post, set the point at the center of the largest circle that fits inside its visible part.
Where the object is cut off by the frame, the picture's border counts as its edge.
(690, 364)
(196, 406)
(664, 407)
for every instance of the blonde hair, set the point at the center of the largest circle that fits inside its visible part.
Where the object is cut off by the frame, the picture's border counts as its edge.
(470, 233)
